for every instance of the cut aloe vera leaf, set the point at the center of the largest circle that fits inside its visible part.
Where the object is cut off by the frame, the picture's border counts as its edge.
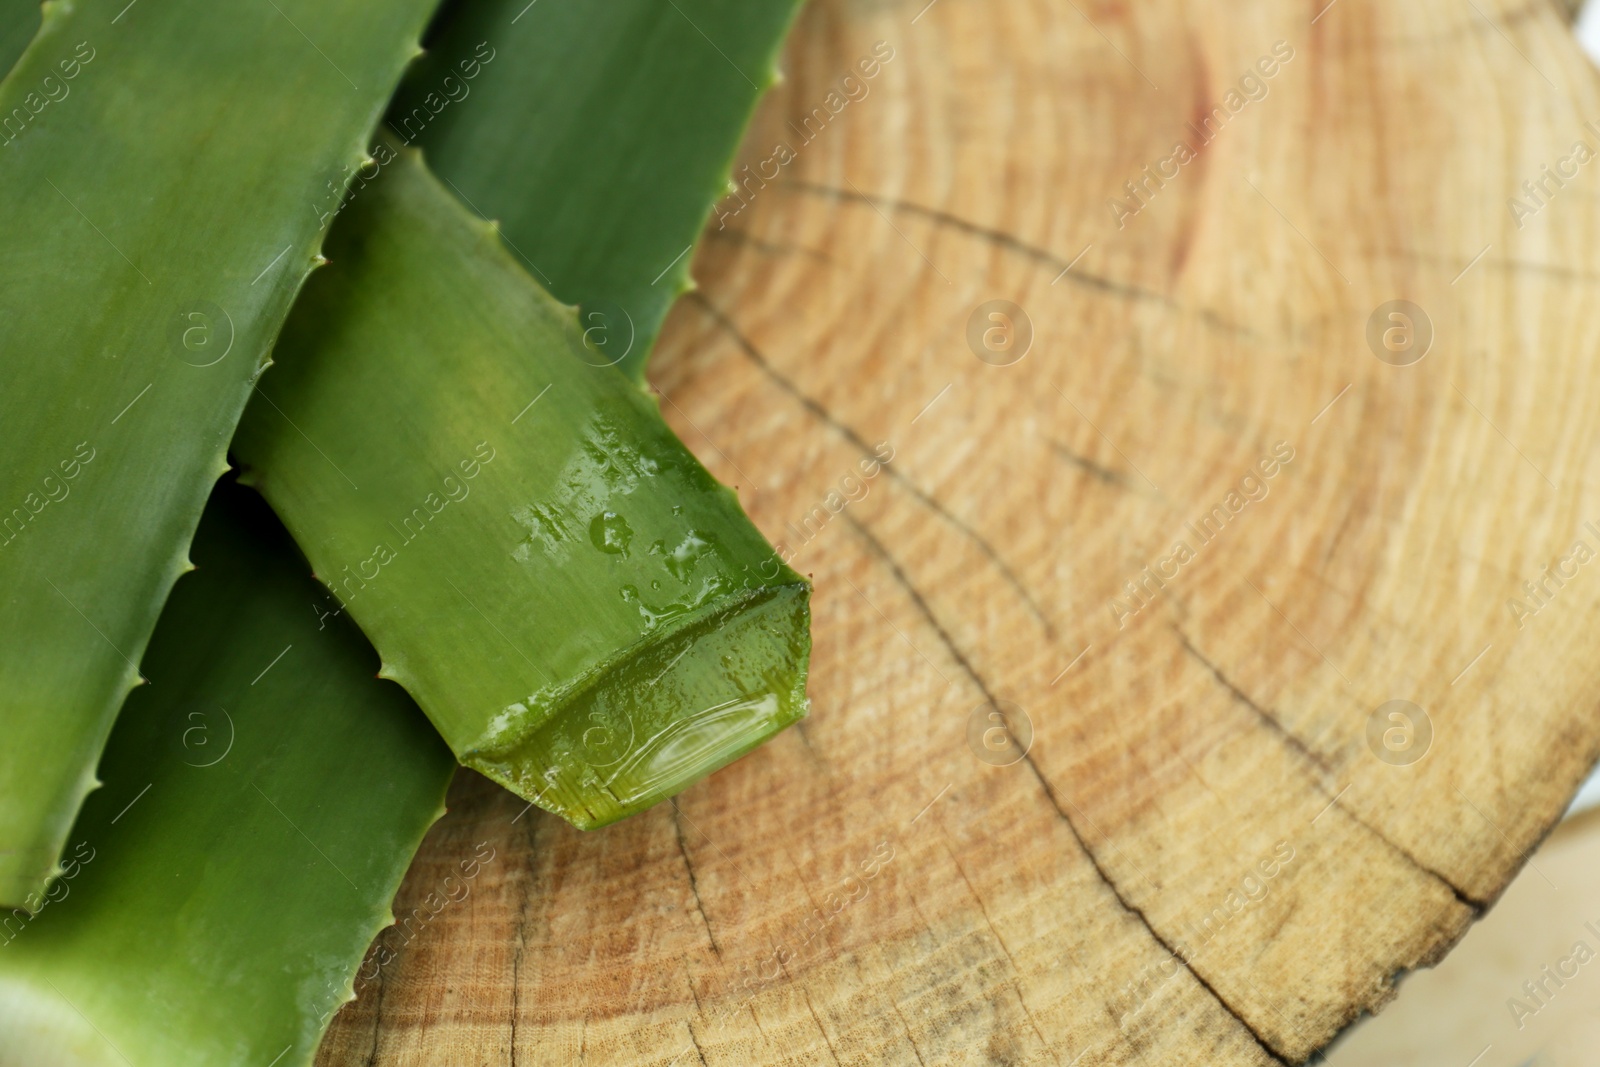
(166, 170)
(262, 800)
(581, 609)
(600, 133)
(19, 21)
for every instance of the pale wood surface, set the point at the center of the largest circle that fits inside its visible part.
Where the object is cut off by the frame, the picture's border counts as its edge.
(1027, 912)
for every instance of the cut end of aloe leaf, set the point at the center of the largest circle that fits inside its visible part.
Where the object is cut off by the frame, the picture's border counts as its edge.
(42, 1029)
(687, 702)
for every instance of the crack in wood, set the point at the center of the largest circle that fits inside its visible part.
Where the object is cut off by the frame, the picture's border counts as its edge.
(694, 882)
(1271, 720)
(1293, 742)
(377, 1021)
(816, 408)
(1033, 1022)
(1476, 906)
(1104, 875)
(523, 904)
(907, 1028)
(812, 1009)
(1103, 474)
(1097, 282)
(1137, 912)
(983, 909)
(771, 248)
(811, 749)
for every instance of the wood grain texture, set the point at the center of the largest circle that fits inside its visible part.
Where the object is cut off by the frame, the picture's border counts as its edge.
(865, 890)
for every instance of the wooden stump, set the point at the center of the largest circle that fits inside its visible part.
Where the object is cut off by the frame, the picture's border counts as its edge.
(1187, 545)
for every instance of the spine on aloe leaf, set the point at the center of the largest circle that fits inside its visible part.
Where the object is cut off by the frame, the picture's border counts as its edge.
(156, 166)
(262, 799)
(582, 610)
(623, 112)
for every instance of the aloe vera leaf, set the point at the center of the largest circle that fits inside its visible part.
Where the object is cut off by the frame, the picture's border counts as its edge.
(582, 610)
(19, 21)
(165, 174)
(602, 146)
(255, 823)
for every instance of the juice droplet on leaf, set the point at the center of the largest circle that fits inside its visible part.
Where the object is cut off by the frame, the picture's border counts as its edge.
(610, 533)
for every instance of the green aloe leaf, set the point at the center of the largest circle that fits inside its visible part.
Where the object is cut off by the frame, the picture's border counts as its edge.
(262, 800)
(602, 146)
(19, 21)
(583, 612)
(166, 171)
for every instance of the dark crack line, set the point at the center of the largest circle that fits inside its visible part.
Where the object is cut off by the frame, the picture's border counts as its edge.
(1283, 920)
(694, 884)
(1084, 279)
(693, 992)
(1021, 1000)
(689, 1024)
(811, 749)
(895, 475)
(976, 899)
(377, 1021)
(1293, 742)
(984, 911)
(1104, 474)
(1272, 722)
(1477, 907)
(905, 582)
(522, 944)
(1050, 793)
(516, 990)
(1338, 534)
(1137, 912)
(907, 1028)
(740, 237)
(812, 1009)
